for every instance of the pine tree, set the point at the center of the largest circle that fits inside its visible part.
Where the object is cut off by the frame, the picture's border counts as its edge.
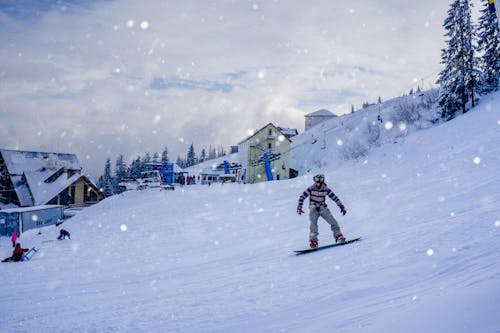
(458, 79)
(220, 151)
(211, 153)
(488, 45)
(203, 155)
(135, 168)
(107, 179)
(180, 162)
(144, 161)
(156, 157)
(120, 173)
(164, 155)
(191, 156)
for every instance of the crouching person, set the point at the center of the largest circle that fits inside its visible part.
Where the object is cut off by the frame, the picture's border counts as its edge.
(63, 234)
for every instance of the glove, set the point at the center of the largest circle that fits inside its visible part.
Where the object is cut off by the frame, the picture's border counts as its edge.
(299, 210)
(342, 210)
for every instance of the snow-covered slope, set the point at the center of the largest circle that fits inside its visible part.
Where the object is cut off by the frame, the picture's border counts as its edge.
(219, 258)
(353, 136)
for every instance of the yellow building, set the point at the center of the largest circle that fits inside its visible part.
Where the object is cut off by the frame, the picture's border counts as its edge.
(265, 155)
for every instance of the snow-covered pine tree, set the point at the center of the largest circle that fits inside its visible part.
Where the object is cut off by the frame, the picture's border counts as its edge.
(211, 153)
(488, 45)
(191, 156)
(107, 180)
(156, 157)
(203, 155)
(458, 79)
(146, 159)
(164, 155)
(120, 172)
(135, 168)
(180, 162)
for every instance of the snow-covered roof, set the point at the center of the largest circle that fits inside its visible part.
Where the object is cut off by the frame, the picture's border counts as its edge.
(18, 161)
(38, 177)
(288, 132)
(28, 209)
(43, 192)
(321, 113)
(259, 130)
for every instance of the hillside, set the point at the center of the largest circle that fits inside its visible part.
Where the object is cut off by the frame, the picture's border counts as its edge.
(220, 258)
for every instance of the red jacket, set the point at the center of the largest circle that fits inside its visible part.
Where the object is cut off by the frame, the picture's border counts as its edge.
(17, 255)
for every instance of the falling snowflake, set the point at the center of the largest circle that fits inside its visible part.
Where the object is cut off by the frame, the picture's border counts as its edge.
(123, 227)
(340, 142)
(156, 119)
(130, 23)
(144, 25)
(477, 160)
(497, 224)
(430, 252)
(388, 125)
(34, 218)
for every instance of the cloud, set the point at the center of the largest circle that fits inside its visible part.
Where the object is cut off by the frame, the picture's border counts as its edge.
(101, 78)
(205, 85)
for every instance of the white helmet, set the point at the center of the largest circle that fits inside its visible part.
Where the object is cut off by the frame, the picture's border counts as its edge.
(319, 178)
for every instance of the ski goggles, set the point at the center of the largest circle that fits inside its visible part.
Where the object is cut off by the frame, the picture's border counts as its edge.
(319, 178)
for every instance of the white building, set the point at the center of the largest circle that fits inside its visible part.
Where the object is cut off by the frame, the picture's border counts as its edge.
(316, 117)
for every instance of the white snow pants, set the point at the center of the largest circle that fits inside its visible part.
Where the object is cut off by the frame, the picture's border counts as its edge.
(325, 213)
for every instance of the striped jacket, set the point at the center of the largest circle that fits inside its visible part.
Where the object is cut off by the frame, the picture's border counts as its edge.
(318, 196)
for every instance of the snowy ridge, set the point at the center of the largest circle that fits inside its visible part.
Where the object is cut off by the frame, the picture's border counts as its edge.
(220, 258)
(353, 136)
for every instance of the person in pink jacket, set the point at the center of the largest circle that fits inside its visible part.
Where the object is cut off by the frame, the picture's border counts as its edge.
(14, 238)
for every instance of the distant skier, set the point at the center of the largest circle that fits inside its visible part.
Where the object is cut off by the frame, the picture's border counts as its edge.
(317, 207)
(63, 233)
(13, 238)
(17, 254)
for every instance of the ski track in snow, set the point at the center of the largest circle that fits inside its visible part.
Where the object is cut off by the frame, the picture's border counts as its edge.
(220, 258)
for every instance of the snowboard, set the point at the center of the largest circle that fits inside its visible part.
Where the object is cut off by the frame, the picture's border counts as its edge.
(28, 255)
(326, 246)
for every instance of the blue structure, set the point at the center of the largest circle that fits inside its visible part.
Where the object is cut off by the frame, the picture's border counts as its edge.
(226, 168)
(267, 165)
(26, 218)
(165, 169)
(167, 173)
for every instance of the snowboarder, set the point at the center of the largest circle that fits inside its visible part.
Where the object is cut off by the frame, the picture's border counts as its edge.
(17, 254)
(317, 207)
(63, 233)
(13, 238)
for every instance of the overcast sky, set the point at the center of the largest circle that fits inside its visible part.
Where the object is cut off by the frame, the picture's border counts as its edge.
(109, 77)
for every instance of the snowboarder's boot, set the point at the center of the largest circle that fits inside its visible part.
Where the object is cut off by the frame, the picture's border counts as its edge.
(339, 239)
(313, 244)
